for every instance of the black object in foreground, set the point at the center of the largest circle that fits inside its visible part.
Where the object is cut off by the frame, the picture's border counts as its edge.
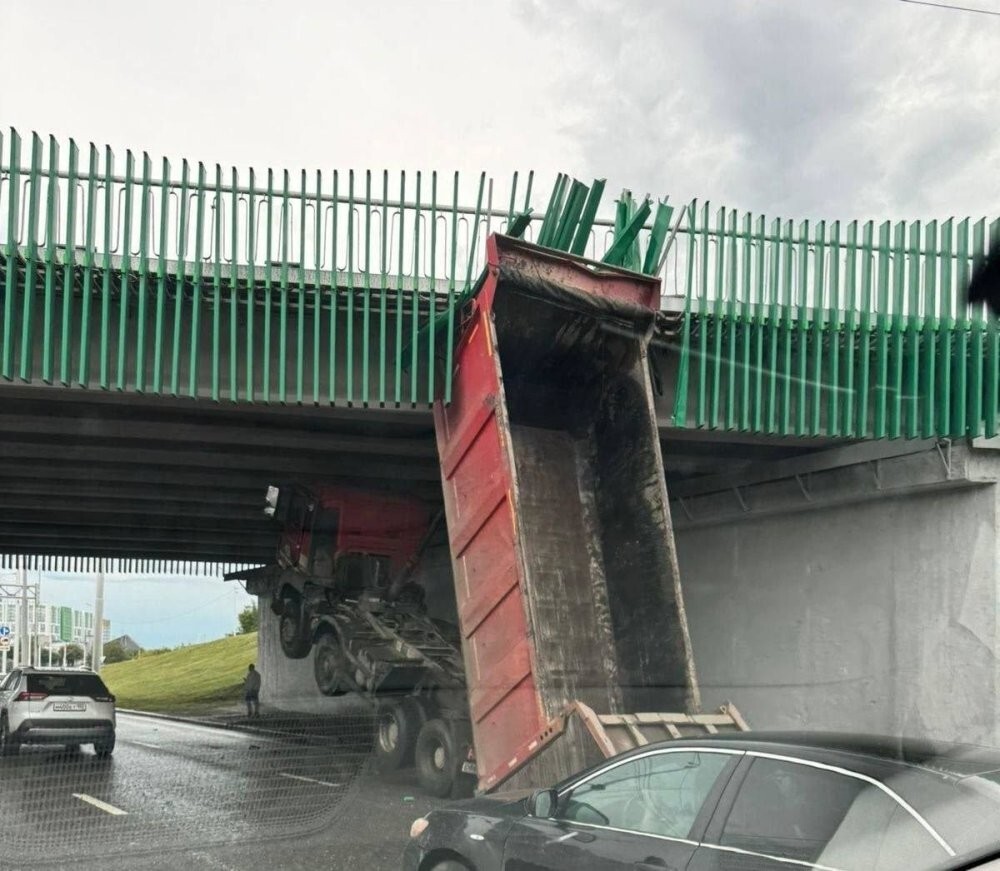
(985, 283)
(750, 801)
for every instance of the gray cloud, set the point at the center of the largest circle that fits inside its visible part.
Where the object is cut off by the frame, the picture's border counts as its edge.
(808, 108)
(864, 108)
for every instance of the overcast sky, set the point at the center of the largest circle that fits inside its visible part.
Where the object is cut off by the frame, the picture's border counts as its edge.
(802, 108)
(809, 108)
(155, 611)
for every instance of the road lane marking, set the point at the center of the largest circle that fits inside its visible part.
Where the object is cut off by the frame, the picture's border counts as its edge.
(144, 744)
(100, 805)
(306, 779)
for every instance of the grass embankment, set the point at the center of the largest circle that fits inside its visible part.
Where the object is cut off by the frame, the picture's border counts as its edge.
(192, 678)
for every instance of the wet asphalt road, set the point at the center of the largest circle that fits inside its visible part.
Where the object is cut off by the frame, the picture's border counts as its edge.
(184, 795)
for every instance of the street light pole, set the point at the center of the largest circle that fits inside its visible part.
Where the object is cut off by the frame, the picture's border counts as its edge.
(36, 628)
(97, 653)
(24, 643)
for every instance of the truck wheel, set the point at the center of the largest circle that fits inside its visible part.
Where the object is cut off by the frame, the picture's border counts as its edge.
(398, 726)
(438, 758)
(330, 666)
(295, 643)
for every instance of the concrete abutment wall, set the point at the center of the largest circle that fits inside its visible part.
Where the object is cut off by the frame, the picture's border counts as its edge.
(873, 616)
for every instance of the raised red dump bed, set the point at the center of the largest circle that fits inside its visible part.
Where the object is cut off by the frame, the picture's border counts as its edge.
(564, 562)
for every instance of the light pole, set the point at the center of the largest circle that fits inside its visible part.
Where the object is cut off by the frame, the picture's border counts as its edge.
(97, 653)
(24, 642)
(36, 658)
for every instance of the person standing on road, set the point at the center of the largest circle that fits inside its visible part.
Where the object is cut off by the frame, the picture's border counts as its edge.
(251, 691)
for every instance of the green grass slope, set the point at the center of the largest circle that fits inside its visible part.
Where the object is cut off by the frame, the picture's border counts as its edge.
(189, 678)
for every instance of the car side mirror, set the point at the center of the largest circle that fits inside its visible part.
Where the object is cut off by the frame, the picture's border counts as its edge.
(542, 803)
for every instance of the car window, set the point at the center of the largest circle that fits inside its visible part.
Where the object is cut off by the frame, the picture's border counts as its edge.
(67, 684)
(10, 681)
(809, 814)
(659, 794)
(878, 833)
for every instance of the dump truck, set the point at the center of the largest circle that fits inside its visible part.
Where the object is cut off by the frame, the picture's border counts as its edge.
(571, 624)
(341, 590)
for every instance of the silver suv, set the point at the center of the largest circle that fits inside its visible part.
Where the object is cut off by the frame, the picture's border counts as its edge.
(56, 706)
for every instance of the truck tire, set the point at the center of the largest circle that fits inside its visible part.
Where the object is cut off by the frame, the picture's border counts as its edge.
(330, 666)
(398, 724)
(438, 758)
(292, 634)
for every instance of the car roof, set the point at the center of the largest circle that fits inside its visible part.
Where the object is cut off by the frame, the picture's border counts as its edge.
(959, 760)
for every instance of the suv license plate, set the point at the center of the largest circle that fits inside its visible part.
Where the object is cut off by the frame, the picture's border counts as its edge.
(69, 706)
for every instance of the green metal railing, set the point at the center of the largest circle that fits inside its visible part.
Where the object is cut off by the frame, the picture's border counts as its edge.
(307, 289)
(344, 288)
(855, 330)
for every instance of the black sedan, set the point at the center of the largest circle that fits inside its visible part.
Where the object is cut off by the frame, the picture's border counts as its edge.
(759, 801)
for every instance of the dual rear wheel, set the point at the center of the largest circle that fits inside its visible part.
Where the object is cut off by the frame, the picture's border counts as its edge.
(407, 731)
(440, 751)
(398, 723)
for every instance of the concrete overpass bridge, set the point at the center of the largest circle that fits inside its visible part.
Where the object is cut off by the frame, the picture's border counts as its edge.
(174, 338)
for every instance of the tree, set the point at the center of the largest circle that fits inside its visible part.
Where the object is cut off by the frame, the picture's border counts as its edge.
(114, 652)
(249, 619)
(74, 654)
